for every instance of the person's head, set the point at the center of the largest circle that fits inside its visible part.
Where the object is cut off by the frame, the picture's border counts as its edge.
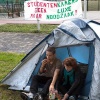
(50, 53)
(70, 63)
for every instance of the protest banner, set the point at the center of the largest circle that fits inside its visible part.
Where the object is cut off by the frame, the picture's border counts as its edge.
(52, 10)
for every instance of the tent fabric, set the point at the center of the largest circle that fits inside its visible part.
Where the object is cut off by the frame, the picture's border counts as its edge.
(22, 73)
(95, 26)
(95, 86)
(77, 38)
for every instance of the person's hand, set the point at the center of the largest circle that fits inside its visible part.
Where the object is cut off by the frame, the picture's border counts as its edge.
(56, 92)
(44, 62)
(51, 88)
(42, 68)
(65, 96)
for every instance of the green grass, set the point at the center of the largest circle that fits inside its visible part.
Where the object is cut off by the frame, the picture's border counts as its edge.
(27, 28)
(7, 62)
(6, 94)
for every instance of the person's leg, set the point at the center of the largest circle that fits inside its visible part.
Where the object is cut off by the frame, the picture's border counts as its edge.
(41, 95)
(45, 89)
(77, 91)
(63, 89)
(36, 81)
(26, 96)
(34, 86)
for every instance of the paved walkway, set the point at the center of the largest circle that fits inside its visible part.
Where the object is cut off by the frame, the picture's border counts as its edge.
(18, 42)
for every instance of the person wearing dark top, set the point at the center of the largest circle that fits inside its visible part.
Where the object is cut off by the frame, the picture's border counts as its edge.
(48, 73)
(70, 80)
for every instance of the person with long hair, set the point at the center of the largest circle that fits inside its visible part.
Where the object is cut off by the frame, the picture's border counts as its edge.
(70, 80)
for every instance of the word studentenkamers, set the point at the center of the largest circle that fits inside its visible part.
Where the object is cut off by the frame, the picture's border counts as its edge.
(49, 4)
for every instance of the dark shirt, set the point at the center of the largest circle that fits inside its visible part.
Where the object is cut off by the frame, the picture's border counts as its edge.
(76, 86)
(50, 68)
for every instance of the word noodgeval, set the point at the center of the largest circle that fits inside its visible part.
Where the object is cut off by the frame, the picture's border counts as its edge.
(42, 4)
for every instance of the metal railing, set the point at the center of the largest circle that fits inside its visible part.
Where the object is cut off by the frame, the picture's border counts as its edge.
(11, 9)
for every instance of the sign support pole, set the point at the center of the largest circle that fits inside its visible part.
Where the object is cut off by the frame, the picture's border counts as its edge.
(38, 22)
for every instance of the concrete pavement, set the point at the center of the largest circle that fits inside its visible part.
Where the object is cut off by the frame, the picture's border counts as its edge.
(18, 42)
(91, 15)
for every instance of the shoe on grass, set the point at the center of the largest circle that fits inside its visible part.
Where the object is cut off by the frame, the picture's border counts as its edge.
(26, 96)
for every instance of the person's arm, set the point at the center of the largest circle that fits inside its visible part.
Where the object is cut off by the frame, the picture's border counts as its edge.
(60, 79)
(78, 80)
(51, 88)
(65, 96)
(42, 68)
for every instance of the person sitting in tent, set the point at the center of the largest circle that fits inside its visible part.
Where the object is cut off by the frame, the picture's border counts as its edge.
(70, 80)
(49, 71)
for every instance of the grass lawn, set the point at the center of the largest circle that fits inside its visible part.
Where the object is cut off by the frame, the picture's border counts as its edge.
(27, 28)
(6, 94)
(7, 62)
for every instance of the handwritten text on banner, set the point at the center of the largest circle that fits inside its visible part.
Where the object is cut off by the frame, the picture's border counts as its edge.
(50, 10)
